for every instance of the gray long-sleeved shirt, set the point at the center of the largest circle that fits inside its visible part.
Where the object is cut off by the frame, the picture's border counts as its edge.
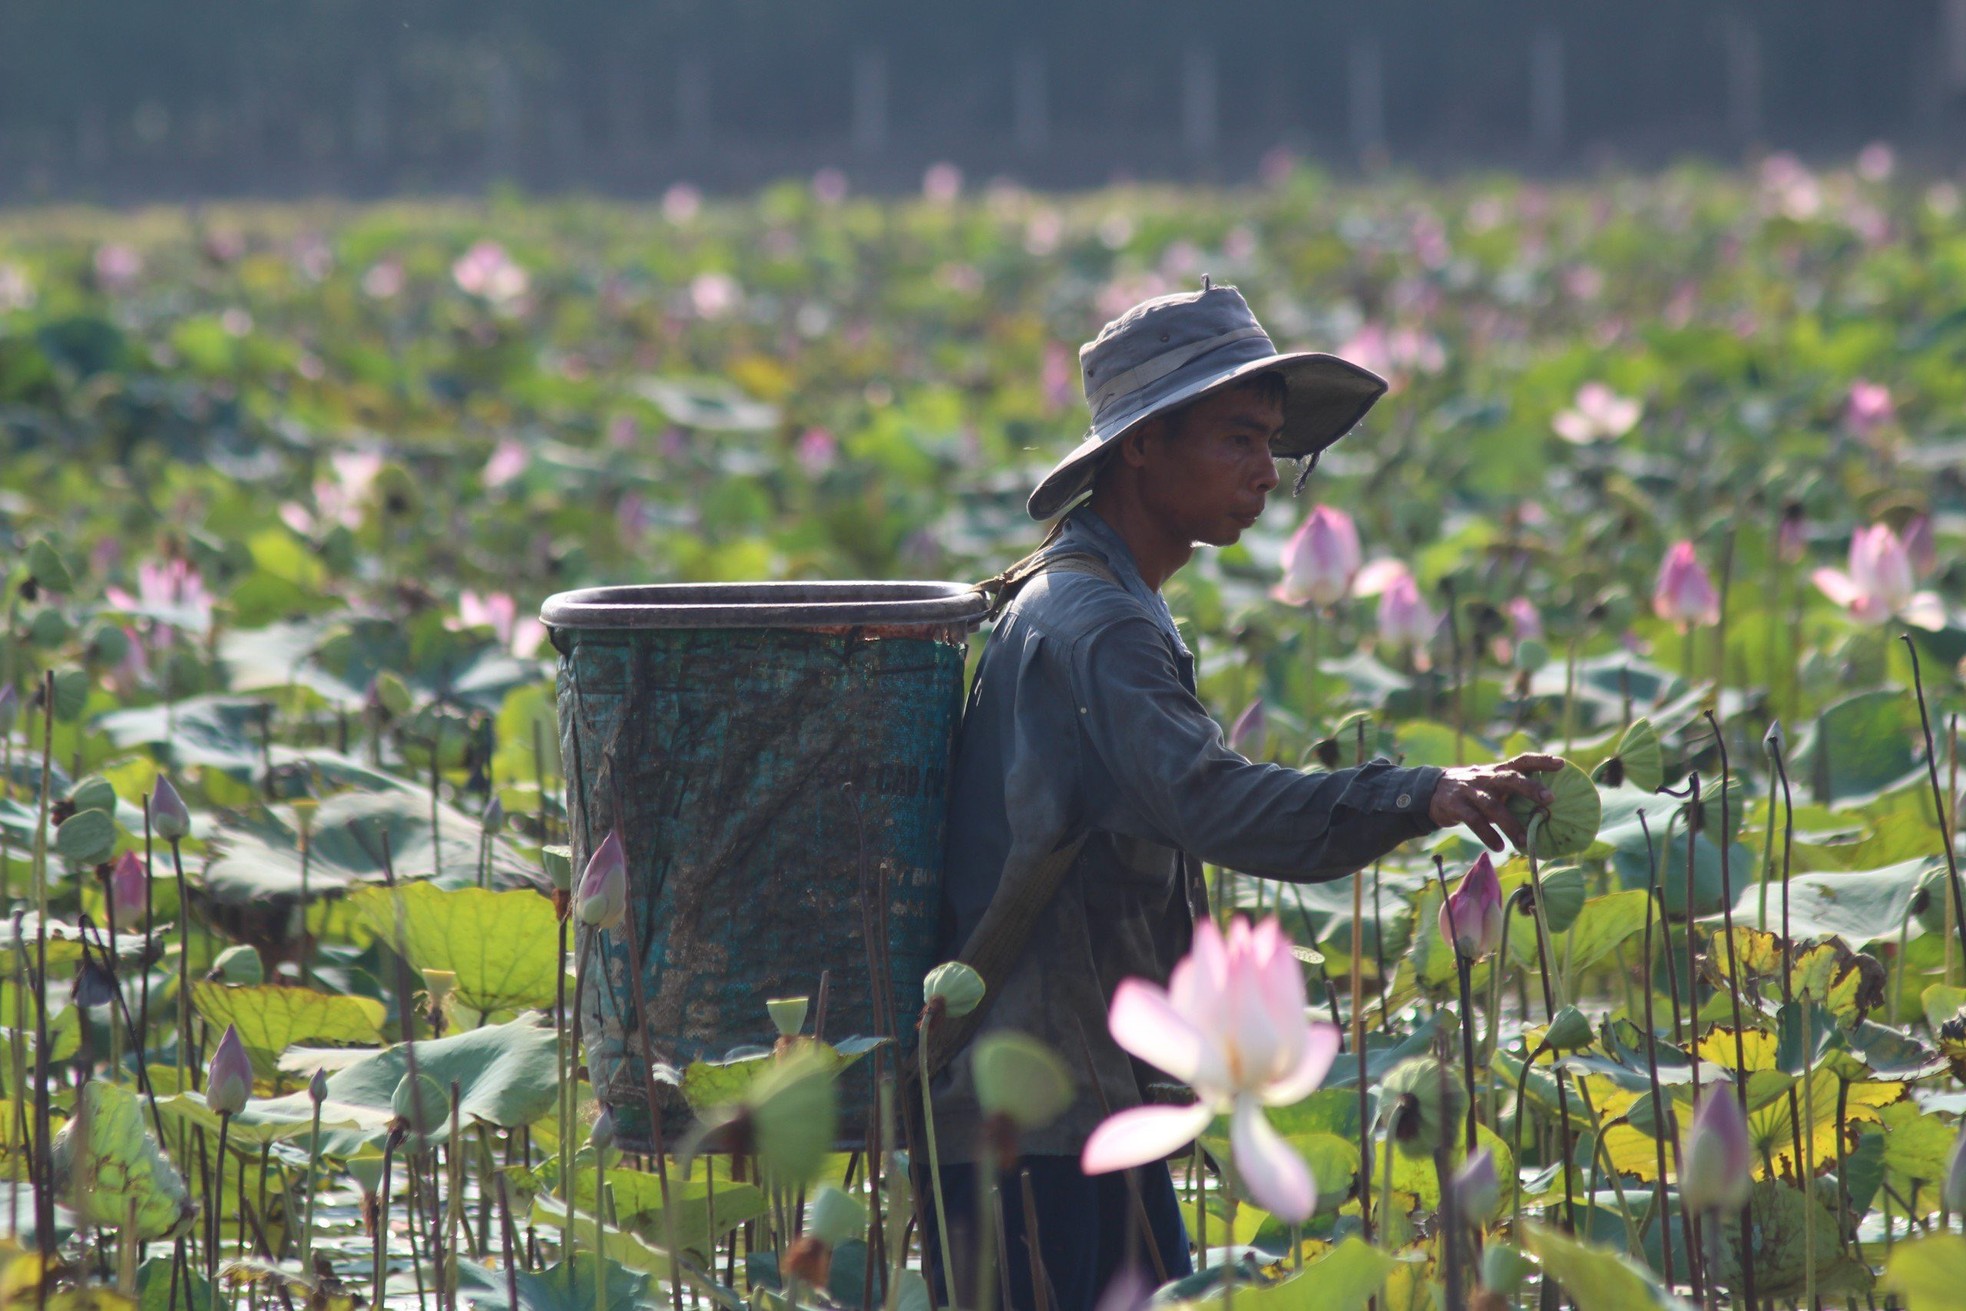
(1084, 716)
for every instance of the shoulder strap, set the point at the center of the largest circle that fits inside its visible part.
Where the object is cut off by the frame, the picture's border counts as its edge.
(1003, 588)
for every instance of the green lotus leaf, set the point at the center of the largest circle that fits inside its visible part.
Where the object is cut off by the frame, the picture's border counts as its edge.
(88, 837)
(1926, 1272)
(502, 946)
(106, 1161)
(1020, 1077)
(710, 1084)
(1637, 761)
(271, 1018)
(1596, 1278)
(1563, 896)
(1568, 825)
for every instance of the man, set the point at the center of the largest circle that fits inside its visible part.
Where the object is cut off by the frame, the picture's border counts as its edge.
(1090, 782)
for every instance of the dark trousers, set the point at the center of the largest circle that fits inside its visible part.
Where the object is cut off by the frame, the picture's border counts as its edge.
(1088, 1231)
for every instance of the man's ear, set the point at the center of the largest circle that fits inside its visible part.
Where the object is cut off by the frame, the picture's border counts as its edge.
(1133, 446)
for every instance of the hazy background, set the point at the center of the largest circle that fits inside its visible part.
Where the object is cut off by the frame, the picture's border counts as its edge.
(122, 100)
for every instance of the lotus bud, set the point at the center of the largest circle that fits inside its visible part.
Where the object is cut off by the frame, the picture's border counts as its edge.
(1568, 1030)
(127, 882)
(493, 820)
(602, 899)
(1471, 917)
(1717, 1157)
(317, 1087)
(834, 1217)
(229, 1078)
(169, 817)
(1021, 1078)
(1419, 1105)
(1251, 731)
(1954, 1191)
(239, 965)
(1684, 594)
(9, 708)
(439, 984)
(420, 1104)
(1477, 1190)
(1320, 560)
(959, 987)
(1774, 742)
(788, 1014)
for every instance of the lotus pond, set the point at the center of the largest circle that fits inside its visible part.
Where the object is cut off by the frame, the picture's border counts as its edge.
(1672, 481)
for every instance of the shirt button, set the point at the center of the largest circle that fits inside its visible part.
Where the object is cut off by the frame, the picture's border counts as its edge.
(1405, 799)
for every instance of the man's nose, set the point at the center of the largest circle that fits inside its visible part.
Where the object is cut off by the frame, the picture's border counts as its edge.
(1267, 475)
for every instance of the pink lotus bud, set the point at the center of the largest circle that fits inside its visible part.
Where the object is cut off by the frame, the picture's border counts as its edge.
(1524, 618)
(1251, 731)
(1717, 1156)
(1320, 560)
(602, 897)
(169, 816)
(1477, 1190)
(1684, 594)
(317, 1087)
(126, 885)
(1405, 619)
(229, 1079)
(1471, 917)
(1868, 408)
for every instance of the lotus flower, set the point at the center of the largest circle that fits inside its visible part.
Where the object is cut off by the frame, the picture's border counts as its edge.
(1684, 593)
(1524, 618)
(500, 613)
(1231, 1025)
(172, 585)
(229, 1079)
(1716, 1155)
(1868, 407)
(1320, 560)
(1598, 414)
(1405, 619)
(487, 271)
(1471, 917)
(1251, 731)
(168, 814)
(127, 881)
(1477, 1190)
(602, 897)
(508, 460)
(1879, 584)
(817, 450)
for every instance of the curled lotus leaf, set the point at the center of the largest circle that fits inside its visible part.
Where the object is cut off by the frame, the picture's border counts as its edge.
(1564, 895)
(1637, 761)
(1568, 825)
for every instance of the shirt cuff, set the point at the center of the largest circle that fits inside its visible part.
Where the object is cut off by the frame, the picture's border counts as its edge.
(1406, 791)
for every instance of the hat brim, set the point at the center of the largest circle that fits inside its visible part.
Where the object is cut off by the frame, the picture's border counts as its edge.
(1326, 398)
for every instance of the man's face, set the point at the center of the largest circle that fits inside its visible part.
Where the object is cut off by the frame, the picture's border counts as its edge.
(1208, 471)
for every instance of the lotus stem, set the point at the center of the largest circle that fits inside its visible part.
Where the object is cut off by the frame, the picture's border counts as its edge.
(1358, 1046)
(929, 1015)
(1938, 797)
(313, 1165)
(1654, 904)
(600, 1238)
(1808, 1169)
(218, 1201)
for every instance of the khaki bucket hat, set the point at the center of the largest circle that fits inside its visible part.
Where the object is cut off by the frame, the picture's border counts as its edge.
(1173, 349)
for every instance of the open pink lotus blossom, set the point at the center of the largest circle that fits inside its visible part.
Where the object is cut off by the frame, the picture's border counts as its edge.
(1232, 1025)
(1684, 593)
(117, 267)
(1405, 618)
(340, 499)
(500, 613)
(1471, 917)
(487, 271)
(1320, 560)
(1868, 407)
(1880, 582)
(1598, 414)
(172, 586)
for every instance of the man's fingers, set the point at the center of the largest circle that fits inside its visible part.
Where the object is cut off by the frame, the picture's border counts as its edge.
(1474, 810)
(1521, 785)
(1496, 811)
(1533, 762)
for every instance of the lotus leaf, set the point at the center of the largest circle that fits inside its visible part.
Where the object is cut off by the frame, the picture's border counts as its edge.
(1782, 1219)
(271, 1018)
(710, 1084)
(1569, 824)
(105, 1159)
(1596, 1278)
(502, 946)
(1927, 1272)
(87, 837)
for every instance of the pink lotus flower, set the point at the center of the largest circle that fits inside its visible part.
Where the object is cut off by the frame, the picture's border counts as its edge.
(508, 460)
(1879, 584)
(681, 203)
(714, 295)
(340, 499)
(1320, 560)
(488, 272)
(942, 183)
(384, 279)
(127, 880)
(117, 267)
(1716, 1156)
(229, 1078)
(1405, 618)
(1684, 593)
(1868, 408)
(172, 586)
(1597, 414)
(817, 450)
(1251, 731)
(1471, 917)
(1524, 618)
(500, 613)
(1231, 1025)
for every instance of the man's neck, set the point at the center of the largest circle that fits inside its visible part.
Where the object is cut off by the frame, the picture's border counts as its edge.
(1156, 554)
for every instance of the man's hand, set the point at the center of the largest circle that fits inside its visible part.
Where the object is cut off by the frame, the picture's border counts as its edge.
(1477, 796)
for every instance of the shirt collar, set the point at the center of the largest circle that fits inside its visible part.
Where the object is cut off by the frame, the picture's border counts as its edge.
(1085, 530)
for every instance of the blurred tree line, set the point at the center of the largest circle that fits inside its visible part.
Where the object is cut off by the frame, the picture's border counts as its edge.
(131, 97)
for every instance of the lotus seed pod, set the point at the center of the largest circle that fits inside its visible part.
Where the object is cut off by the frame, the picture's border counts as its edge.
(317, 1087)
(833, 1217)
(1477, 1190)
(169, 817)
(1568, 825)
(421, 1104)
(1419, 1104)
(94, 794)
(788, 1014)
(239, 965)
(558, 861)
(1568, 1030)
(229, 1078)
(1019, 1077)
(960, 988)
(440, 984)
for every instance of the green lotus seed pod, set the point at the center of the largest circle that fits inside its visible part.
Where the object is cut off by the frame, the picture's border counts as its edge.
(440, 984)
(1645, 761)
(1419, 1102)
(834, 1218)
(1020, 1077)
(392, 693)
(1531, 654)
(239, 965)
(1569, 1030)
(960, 988)
(49, 628)
(1563, 897)
(421, 1104)
(788, 1014)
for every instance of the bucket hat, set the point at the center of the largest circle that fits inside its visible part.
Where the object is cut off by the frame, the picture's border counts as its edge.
(1173, 349)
